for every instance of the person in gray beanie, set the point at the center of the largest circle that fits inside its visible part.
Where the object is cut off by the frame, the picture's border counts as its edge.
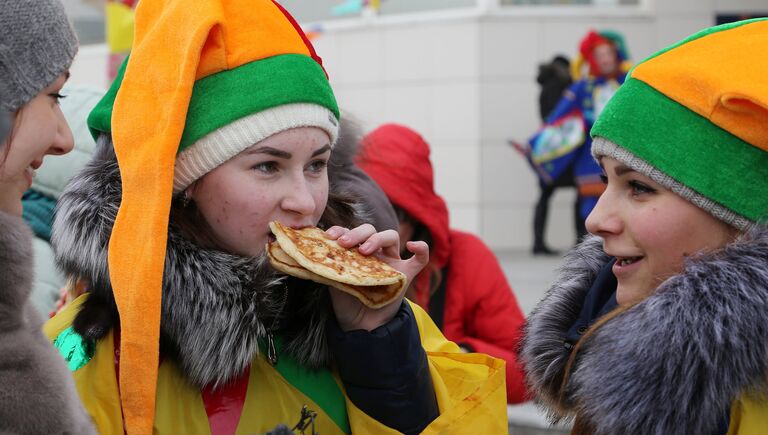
(37, 46)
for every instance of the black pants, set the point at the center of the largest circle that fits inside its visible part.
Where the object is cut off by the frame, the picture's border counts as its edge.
(542, 209)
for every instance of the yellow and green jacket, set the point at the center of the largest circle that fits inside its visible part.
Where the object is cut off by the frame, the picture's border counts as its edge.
(470, 390)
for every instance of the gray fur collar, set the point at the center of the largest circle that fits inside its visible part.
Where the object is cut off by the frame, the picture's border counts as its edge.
(673, 363)
(32, 374)
(16, 273)
(216, 306)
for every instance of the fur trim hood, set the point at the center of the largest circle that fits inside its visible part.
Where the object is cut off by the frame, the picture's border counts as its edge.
(39, 393)
(216, 306)
(675, 362)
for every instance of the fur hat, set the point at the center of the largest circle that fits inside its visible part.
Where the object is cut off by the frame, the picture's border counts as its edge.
(694, 118)
(37, 44)
(202, 84)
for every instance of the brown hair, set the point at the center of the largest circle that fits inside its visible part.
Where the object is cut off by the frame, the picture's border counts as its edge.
(11, 133)
(187, 217)
(581, 426)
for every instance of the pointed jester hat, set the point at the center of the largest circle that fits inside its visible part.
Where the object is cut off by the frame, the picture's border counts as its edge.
(706, 99)
(204, 81)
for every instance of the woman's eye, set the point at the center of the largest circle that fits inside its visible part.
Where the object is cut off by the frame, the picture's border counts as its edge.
(318, 165)
(57, 97)
(639, 188)
(604, 178)
(266, 167)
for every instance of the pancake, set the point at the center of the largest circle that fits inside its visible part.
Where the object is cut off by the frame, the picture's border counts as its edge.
(307, 254)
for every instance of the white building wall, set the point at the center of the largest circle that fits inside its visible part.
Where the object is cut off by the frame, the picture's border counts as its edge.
(424, 76)
(466, 82)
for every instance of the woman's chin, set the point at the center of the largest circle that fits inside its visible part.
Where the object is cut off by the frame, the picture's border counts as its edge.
(628, 294)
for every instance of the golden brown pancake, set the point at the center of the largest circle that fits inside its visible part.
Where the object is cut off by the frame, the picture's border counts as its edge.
(307, 254)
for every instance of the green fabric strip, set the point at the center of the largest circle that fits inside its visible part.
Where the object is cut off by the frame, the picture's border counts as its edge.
(221, 98)
(687, 147)
(100, 118)
(76, 351)
(320, 386)
(700, 34)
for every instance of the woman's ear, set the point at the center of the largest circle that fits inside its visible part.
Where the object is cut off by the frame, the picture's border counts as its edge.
(187, 195)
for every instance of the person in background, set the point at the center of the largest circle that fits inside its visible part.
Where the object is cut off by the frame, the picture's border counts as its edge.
(463, 287)
(37, 45)
(39, 202)
(657, 323)
(563, 143)
(221, 121)
(554, 78)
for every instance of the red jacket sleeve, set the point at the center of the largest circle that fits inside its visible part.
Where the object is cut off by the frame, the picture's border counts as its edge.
(480, 309)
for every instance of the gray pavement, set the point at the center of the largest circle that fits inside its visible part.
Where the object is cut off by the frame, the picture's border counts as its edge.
(529, 276)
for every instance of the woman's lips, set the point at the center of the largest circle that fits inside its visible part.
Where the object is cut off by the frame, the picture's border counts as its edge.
(626, 265)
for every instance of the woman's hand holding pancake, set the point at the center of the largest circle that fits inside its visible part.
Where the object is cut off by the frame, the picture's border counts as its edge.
(350, 312)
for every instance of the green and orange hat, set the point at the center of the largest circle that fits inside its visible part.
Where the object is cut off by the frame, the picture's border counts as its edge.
(694, 118)
(205, 80)
(240, 105)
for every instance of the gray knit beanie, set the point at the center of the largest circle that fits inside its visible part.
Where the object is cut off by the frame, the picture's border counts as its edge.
(37, 44)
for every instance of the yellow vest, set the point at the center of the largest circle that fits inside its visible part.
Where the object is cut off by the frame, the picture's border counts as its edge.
(749, 416)
(470, 391)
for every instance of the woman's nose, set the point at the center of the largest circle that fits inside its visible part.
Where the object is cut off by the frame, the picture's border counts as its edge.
(298, 198)
(603, 220)
(63, 142)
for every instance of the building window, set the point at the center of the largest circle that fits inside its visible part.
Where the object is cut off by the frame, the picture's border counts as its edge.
(324, 10)
(570, 2)
(321, 10)
(404, 6)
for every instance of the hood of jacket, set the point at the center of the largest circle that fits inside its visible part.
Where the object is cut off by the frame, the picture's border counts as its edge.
(673, 363)
(216, 307)
(397, 158)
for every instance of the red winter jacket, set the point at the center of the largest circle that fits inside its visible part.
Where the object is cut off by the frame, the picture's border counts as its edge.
(481, 312)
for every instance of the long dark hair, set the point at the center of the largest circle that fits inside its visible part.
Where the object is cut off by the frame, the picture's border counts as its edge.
(190, 221)
(5, 142)
(423, 287)
(581, 426)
